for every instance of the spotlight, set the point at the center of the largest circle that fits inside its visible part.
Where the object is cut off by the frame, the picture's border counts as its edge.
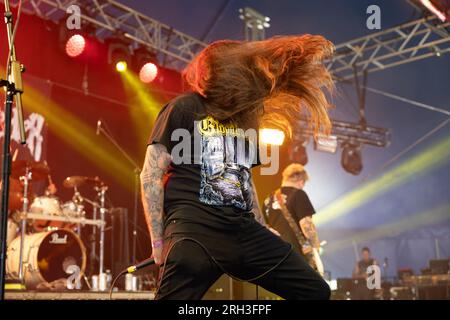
(297, 152)
(148, 72)
(271, 136)
(118, 54)
(326, 143)
(146, 62)
(351, 159)
(121, 66)
(75, 45)
(433, 6)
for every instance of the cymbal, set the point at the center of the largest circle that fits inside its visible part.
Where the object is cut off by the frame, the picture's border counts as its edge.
(39, 170)
(78, 181)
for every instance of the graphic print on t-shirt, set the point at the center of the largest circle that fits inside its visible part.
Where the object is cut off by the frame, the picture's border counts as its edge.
(226, 159)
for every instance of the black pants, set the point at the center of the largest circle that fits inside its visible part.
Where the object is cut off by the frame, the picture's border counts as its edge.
(195, 261)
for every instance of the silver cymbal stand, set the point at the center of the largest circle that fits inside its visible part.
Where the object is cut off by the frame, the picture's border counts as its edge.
(101, 191)
(93, 239)
(23, 222)
(78, 201)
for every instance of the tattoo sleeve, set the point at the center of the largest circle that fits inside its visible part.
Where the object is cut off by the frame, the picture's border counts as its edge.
(256, 208)
(309, 229)
(155, 166)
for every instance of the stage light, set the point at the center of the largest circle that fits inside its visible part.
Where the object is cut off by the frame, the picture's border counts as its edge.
(75, 45)
(118, 54)
(351, 159)
(121, 66)
(145, 61)
(271, 136)
(325, 143)
(297, 152)
(148, 72)
(434, 9)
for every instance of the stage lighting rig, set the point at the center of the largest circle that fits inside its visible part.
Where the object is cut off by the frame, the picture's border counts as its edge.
(119, 55)
(145, 63)
(351, 159)
(255, 23)
(75, 42)
(438, 8)
(297, 151)
(351, 137)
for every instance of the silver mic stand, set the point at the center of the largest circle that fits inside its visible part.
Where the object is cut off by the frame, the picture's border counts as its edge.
(14, 87)
(137, 171)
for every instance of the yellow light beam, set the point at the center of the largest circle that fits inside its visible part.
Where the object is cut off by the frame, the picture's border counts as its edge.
(431, 158)
(76, 133)
(143, 106)
(422, 219)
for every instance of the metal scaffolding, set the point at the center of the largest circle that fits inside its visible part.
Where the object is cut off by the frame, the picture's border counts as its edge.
(415, 40)
(411, 41)
(174, 48)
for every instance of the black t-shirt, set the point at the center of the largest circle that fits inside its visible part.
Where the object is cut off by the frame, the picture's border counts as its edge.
(208, 180)
(299, 206)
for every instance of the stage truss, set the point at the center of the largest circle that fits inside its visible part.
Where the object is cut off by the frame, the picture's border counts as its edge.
(174, 48)
(412, 41)
(408, 42)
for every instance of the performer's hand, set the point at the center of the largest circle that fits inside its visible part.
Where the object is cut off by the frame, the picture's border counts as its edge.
(51, 189)
(274, 231)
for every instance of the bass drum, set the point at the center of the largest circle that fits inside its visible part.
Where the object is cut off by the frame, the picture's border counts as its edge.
(47, 256)
(11, 231)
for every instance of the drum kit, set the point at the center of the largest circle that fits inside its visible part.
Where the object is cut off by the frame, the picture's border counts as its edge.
(43, 234)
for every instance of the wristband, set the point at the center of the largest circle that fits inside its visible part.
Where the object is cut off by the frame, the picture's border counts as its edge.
(157, 244)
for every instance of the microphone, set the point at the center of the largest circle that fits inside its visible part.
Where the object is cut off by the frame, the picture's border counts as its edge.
(140, 265)
(99, 125)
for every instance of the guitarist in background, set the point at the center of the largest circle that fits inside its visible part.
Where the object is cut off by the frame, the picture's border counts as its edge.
(289, 211)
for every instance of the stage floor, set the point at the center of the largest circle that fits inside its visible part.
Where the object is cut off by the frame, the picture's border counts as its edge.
(77, 295)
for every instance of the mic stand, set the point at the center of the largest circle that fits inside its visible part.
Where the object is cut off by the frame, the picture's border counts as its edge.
(14, 87)
(137, 171)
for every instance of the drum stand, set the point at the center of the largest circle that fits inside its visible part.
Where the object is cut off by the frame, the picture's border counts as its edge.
(93, 236)
(23, 221)
(78, 200)
(101, 191)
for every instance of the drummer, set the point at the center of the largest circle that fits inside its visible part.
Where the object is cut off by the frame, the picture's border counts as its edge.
(51, 189)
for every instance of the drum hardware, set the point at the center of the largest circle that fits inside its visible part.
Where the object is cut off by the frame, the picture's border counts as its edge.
(78, 181)
(23, 223)
(101, 193)
(56, 216)
(81, 221)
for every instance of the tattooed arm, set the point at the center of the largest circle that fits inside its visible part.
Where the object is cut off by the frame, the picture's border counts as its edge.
(156, 163)
(309, 229)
